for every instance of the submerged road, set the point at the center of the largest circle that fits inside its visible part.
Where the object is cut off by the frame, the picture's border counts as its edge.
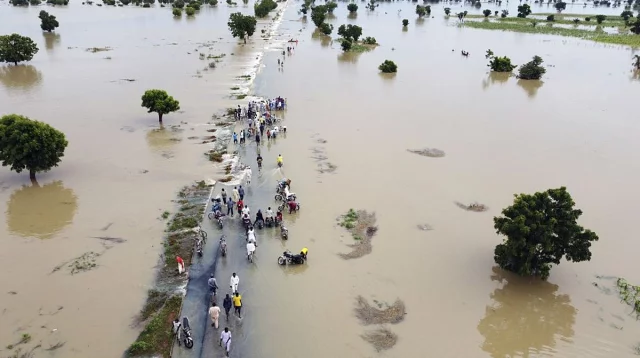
(258, 195)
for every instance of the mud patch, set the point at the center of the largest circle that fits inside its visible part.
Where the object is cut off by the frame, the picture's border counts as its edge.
(477, 207)
(361, 225)
(319, 154)
(381, 339)
(83, 263)
(428, 152)
(384, 313)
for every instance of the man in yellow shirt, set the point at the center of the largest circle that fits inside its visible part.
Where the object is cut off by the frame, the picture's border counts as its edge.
(237, 304)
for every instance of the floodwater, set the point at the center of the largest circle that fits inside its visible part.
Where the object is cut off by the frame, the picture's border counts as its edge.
(501, 136)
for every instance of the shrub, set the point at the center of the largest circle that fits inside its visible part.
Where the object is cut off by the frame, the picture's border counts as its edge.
(560, 6)
(190, 11)
(600, 18)
(388, 67)
(263, 8)
(486, 13)
(501, 64)
(551, 18)
(326, 28)
(346, 45)
(405, 22)
(178, 4)
(524, 11)
(352, 7)
(369, 41)
(504, 14)
(177, 12)
(532, 70)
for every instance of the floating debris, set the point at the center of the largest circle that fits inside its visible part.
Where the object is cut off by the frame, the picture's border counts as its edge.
(381, 339)
(98, 49)
(362, 227)
(368, 314)
(477, 207)
(424, 227)
(428, 152)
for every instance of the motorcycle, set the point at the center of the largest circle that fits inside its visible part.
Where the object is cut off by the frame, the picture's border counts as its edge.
(218, 217)
(287, 258)
(284, 232)
(183, 332)
(284, 205)
(199, 247)
(246, 223)
(280, 197)
(259, 164)
(223, 246)
(279, 163)
(269, 222)
(259, 224)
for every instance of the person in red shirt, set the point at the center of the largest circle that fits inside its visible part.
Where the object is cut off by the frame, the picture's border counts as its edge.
(180, 264)
(293, 206)
(240, 206)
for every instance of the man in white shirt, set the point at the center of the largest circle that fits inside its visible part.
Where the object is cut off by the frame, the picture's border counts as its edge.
(234, 282)
(251, 248)
(246, 210)
(225, 338)
(251, 236)
(214, 313)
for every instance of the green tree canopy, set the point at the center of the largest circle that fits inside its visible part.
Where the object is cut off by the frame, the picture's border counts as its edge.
(420, 10)
(346, 45)
(263, 7)
(532, 70)
(48, 22)
(499, 64)
(331, 5)
(560, 5)
(160, 102)
(524, 10)
(15, 48)
(405, 22)
(31, 145)
(388, 67)
(326, 28)
(242, 26)
(318, 14)
(189, 11)
(177, 12)
(540, 230)
(352, 7)
(350, 32)
(486, 13)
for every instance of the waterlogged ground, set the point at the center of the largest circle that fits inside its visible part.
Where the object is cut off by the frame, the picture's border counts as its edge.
(350, 130)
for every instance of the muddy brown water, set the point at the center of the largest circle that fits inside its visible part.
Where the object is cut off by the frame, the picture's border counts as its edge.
(502, 136)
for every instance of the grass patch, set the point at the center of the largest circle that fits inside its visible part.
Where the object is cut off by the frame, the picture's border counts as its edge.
(362, 227)
(245, 77)
(235, 88)
(155, 300)
(593, 35)
(349, 219)
(580, 16)
(359, 46)
(630, 294)
(165, 215)
(215, 157)
(241, 96)
(98, 49)
(157, 337)
(182, 222)
(226, 180)
(565, 20)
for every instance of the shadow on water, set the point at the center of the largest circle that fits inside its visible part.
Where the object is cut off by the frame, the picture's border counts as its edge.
(20, 77)
(41, 211)
(530, 86)
(493, 78)
(527, 317)
(51, 40)
(162, 138)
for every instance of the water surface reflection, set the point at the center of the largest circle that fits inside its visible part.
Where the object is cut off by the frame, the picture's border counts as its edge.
(51, 40)
(530, 86)
(20, 77)
(527, 317)
(41, 211)
(493, 78)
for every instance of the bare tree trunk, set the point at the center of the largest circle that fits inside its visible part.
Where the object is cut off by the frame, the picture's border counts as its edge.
(160, 117)
(32, 175)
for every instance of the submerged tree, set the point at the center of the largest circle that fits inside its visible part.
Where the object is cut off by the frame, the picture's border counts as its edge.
(318, 14)
(15, 48)
(447, 11)
(242, 26)
(177, 12)
(326, 28)
(306, 6)
(541, 229)
(371, 5)
(160, 102)
(626, 15)
(189, 11)
(486, 13)
(350, 32)
(504, 14)
(263, 7)
(388, 67)
(499, 64)
(636, 62)
(532, 70)
(405, 22)
(635, 26)
(560, 5)
(352, 7)
(30, 145)
(551, 18)
(420, 10)
(331, 5)
(48, 22)
(346, 45)
(524, 11)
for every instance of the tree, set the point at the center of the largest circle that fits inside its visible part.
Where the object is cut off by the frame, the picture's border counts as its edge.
(499, 64)
(427, 8)
(242, 26)
(504, 14)
(486, 13)
(350, 32)
(540, 230)
(626, 15)
(331, 5)
(551, 18)
(560, 5)
(263, 8)
(447, 11)
(352, 7)
(179, 4)
(635, 26)
(420, 11)
(192, 4)
(532, 69)
(388, 67)
(326, 28)
(305, 7)
(190, 11)
(318, 14)
(48, 22)
(31, 145)
(177, 12)
(524, 10)
(405, 22)
(15, 48)
(636, 62)
(369, 41)
(160, 102)
(19, 2)
(371, 5)
(346, 45)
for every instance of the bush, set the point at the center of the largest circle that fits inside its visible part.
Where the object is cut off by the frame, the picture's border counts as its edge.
(551, 18)
(326, 28)
(369, 41)
(420, 10)
(532, 70)
(560, 6)
(447, 11)
(263, 8)
(190, 11)
(331, 5)
(587, 19)
(405, 22)
(635, 27)
(501, 64)
(352, 7)
(600, 18)
(178, 4)
(177, 12)
(350, 32)
(388, 67)
(318, 14)
(346, 45)
(504, 14)
(524, 11)
(625, 15)
(486, 13)
(195, 5)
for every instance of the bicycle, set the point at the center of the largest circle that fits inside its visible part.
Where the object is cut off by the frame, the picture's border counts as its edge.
(203, 234)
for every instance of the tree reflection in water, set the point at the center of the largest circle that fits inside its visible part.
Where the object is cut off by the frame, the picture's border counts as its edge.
(526, 318)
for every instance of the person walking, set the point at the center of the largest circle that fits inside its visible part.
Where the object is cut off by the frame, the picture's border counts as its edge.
(257, 138)
(262, 129)
(241, 192)
(180, 265)
(236, 194)
(237, 304)
(225, 338)
(223, 194)
(230, 205)
(227, 305)
(234, 282)
(214, 313)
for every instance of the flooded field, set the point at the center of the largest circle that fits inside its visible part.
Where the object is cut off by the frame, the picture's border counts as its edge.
(350, 130)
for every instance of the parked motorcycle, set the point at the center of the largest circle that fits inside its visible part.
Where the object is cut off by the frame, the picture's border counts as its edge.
(183, 332)
(284, 232)
(199, 245)
(287, 258)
